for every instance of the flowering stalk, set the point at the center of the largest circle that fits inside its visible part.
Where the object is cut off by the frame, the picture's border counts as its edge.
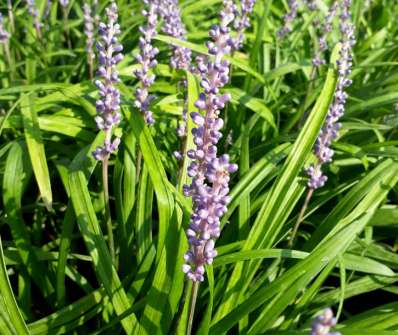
(89, 32)
(34, 13)
(325, 30)
(243, 21)
(64, 4)
(323, 324)
(289, 18)
(173, 26)
(109, 103)
(210, 174)
(146, 58)
(10, 16)
(330, 129)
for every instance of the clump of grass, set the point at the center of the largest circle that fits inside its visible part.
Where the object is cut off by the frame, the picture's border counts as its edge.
(114, 230)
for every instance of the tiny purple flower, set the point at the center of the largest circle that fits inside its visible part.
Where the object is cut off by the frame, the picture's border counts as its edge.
(323, 324)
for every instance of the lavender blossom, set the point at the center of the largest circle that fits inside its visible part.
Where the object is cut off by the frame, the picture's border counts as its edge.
(289, 18)
(4, 34)
(243, 21)
(330, 130)
(146, 58)
(210, 174)
(325, 30)
(89, 32)
(323, 323)
(64, 3)
(34, 13)
(109, 103)
(173, 26)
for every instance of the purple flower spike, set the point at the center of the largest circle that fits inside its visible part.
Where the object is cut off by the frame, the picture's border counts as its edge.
(243, 22)
(173, 26)
(210, 174)
(288, 18)
(89, 32)
(34, 13)
(4, 34)
(109, 103)
(325, 30)
(323, 323)
(146, 58)
(330, 130)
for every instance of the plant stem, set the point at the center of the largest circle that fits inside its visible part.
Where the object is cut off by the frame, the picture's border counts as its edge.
(67, 36)
(195, 288)
(90, 67)
(138, 165)
(300, 217)
(108, 220)
(10, 16)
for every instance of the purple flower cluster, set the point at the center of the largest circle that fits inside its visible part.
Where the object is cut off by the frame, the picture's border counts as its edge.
(109, 103)
(173, 26)
(89, 32)
(325, 30)
(289, 18)
(146, 58)
(323, 323)
(330, 130)
(210, 174)
(4, 34)
(243, 21)
(34, 13)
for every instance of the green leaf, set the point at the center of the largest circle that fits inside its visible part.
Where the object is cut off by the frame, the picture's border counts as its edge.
(9, 300)
(95, 242)
(282, 196)
(36, 149)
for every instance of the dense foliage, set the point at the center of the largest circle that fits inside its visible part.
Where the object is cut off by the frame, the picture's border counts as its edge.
(72, 264)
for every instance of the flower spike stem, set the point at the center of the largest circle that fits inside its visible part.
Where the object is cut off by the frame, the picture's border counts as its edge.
(300, 217)
(108, 220)
(10, 16)
(195, 289)
(66, 24)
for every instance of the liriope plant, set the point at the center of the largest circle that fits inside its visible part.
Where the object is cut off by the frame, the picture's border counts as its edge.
(82, 256)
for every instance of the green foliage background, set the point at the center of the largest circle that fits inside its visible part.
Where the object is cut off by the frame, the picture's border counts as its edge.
(56, 273)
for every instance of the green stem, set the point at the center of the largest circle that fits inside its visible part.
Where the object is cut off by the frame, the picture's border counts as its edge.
(10, 16)
(195, 288)
(66, 24)
(108, 220)
(300, 217)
